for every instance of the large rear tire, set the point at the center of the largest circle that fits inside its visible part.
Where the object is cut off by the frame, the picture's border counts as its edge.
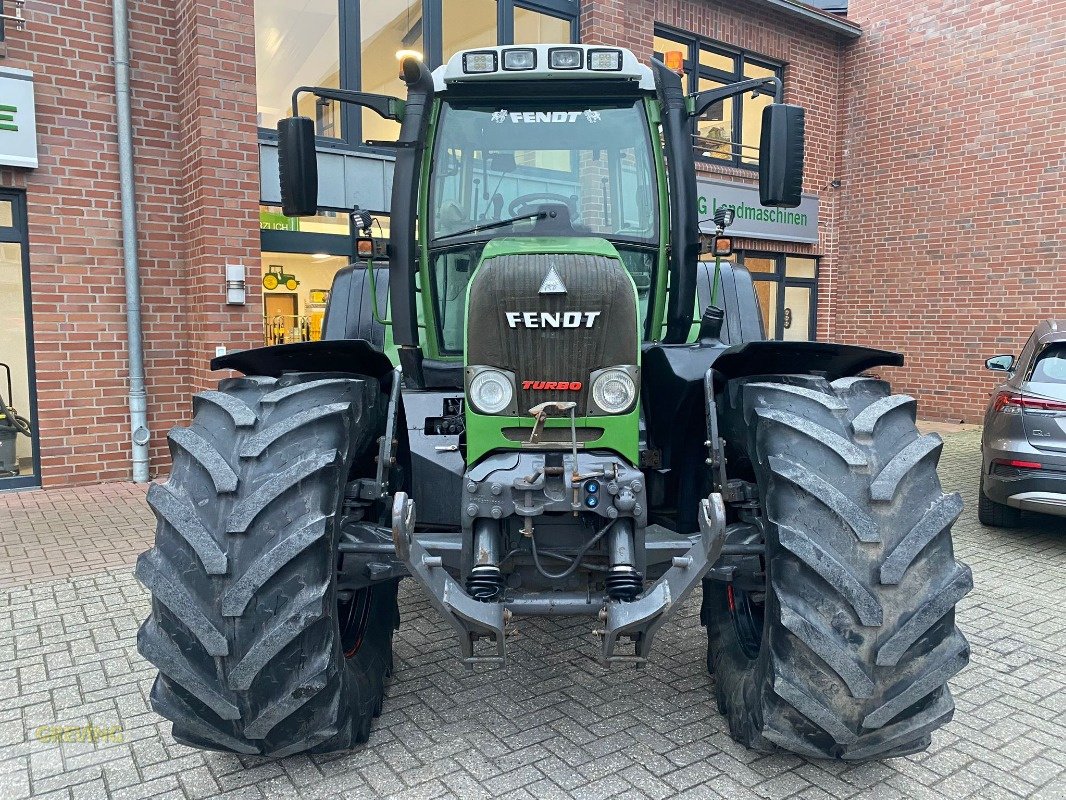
(846, 651)
(255, 650)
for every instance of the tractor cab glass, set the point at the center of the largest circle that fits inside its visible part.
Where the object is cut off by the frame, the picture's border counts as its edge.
(543, 168)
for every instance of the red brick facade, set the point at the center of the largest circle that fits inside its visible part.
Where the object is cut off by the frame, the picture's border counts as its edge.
(193, 98)
(953, 203)
(944, 123)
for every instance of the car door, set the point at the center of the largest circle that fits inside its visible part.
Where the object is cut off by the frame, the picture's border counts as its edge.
(1044, 388)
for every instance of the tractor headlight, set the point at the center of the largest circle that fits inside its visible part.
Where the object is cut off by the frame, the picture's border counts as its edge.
(614, 390)
(491, 391)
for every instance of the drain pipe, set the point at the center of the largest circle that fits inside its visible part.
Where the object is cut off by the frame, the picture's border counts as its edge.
(138, 398)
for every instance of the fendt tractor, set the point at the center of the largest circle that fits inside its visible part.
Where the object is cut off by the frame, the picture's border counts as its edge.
(535, 398)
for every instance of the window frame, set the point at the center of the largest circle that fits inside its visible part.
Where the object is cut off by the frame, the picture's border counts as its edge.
(691, 44)
(350, 63)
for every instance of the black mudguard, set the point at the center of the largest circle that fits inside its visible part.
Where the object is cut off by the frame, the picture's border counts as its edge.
(831, 361)
(357, 356)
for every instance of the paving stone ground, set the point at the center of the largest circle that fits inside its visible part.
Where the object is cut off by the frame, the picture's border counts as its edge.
(551, 724)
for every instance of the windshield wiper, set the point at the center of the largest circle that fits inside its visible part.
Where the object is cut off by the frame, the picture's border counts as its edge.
(488, 226)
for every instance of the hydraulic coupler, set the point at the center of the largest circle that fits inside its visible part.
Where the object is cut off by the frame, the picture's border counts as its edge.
(623, 581)
(485, 581)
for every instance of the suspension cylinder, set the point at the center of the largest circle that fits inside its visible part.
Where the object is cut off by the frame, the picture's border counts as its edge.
(623, 581)
(485, 581)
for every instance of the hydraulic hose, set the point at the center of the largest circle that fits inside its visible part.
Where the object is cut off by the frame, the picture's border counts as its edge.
(577, 559)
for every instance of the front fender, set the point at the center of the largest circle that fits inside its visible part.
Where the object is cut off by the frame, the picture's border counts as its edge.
(357, 356)
(792, 358)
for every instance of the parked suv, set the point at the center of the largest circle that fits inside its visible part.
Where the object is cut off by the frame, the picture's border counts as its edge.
(1023, 448)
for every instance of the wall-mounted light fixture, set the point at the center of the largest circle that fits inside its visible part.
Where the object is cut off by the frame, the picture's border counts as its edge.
(235, 285)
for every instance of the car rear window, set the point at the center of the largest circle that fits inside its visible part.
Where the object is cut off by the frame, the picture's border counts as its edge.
(1050, 366)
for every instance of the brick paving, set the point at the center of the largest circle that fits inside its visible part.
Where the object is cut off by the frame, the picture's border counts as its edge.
(551, 724)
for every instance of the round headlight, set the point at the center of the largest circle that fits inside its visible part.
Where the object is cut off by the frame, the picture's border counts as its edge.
(491, 392)
(614, 391)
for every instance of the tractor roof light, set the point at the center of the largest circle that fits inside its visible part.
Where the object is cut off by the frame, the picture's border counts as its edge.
(605, 60)
(519, 59)
(674, 60)
(565, 58)
(479, 62)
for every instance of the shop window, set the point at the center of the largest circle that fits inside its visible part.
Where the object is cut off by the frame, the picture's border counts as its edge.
(300, 257)
(729, 131)
(18, 421)
(313, 43)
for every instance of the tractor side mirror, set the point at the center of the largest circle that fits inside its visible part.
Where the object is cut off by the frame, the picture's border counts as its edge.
(298, 167)
(781, 156)
(1000, 363)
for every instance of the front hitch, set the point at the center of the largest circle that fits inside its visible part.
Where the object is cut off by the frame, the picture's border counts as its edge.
(641, 619)
(471, 619)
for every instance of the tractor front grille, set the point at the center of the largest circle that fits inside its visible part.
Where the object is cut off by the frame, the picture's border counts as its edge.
(554, 337)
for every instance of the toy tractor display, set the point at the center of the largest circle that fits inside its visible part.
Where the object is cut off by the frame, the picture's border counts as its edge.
(277, 276)
(548, 405)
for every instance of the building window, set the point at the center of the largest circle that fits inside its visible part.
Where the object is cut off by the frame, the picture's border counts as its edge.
(787, 288)
(729, 131)
(352, 44)
(19, 458)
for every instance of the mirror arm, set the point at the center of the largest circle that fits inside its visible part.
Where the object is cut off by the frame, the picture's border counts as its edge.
(382, 104)
(699, 103)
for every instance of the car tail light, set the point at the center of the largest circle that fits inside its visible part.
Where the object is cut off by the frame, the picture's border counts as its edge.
(1014, 403)
(1013, 462)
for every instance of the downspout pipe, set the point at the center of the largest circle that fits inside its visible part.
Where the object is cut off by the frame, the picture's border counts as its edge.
(138, 397)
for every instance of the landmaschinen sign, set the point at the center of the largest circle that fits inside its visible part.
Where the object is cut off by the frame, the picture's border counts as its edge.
(753, 220)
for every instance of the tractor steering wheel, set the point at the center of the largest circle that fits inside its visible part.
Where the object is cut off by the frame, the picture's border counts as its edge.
(521, 204)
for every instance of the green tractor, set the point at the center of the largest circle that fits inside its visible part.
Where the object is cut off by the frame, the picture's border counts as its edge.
(547, 404)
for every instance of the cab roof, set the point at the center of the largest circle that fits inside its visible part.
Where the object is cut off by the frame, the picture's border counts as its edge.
(545, 65)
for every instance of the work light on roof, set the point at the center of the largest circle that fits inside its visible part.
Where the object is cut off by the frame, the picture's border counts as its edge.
(565, 58)
(519, 59)
(479, 62)
(605, 60)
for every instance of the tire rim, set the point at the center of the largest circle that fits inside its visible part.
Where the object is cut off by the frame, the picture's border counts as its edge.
(354, 617)
(747, 611)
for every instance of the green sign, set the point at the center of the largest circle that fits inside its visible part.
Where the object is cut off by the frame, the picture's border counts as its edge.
(752, 218)
(276, 221)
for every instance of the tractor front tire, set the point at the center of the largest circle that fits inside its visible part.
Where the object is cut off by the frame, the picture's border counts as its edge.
(846, 649)
(256, 651)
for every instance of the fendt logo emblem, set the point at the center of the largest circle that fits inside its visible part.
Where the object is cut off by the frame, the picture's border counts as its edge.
(551, 319)
(552, 284)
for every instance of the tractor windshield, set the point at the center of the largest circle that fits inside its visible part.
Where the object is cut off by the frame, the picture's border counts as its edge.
(587, 165)
(538, 168)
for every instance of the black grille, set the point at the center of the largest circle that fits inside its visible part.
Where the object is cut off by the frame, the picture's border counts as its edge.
(512, 284)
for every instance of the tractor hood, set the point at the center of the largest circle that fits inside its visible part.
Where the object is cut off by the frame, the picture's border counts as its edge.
(550, 317)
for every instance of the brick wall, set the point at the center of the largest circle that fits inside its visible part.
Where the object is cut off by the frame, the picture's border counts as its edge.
(952, 203)
(197, 188)
(812, 78)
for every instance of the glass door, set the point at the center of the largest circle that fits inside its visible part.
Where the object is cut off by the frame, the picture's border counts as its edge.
(787, 289)
(19, 456)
